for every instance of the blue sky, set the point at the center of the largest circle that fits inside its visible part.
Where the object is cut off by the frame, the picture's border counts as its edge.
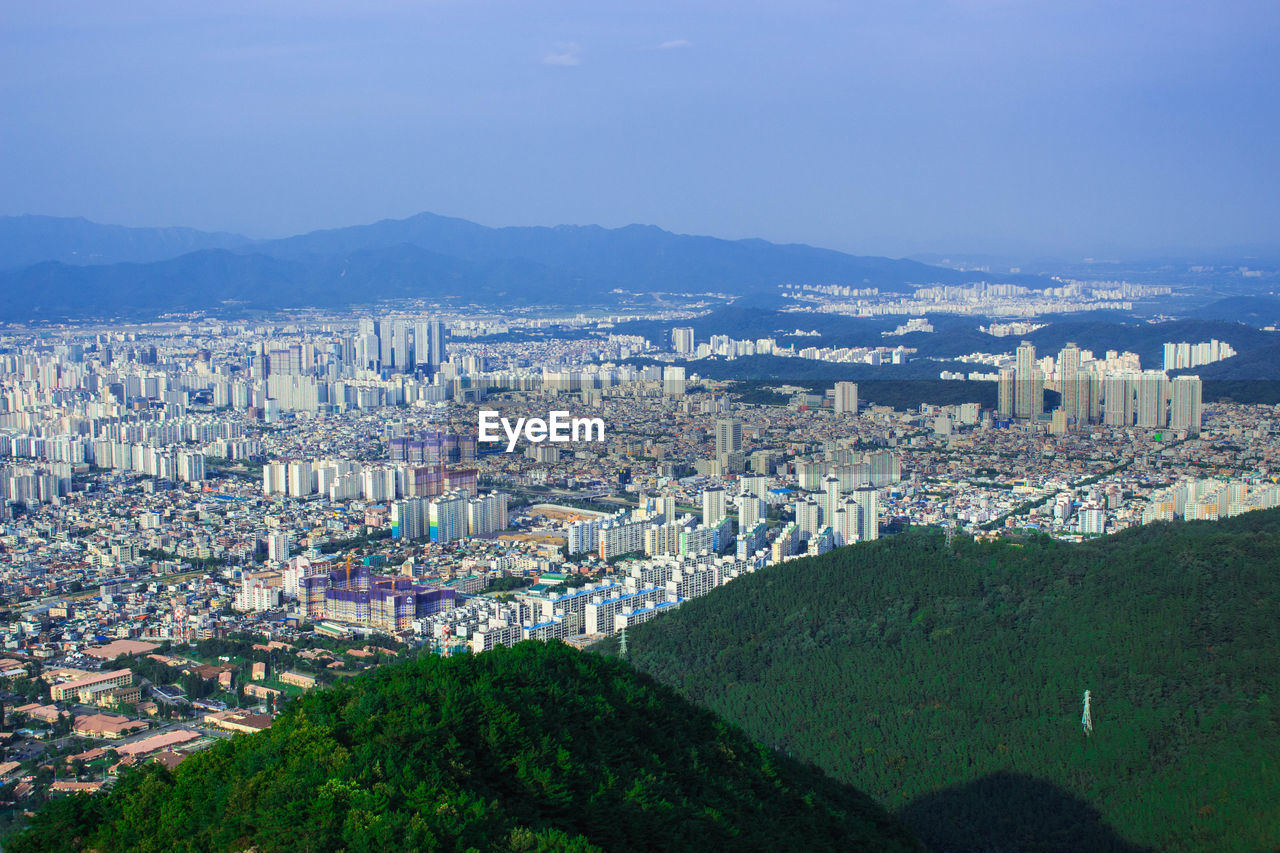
(873, 127)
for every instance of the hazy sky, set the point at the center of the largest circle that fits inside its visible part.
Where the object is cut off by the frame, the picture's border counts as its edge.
(875, 127)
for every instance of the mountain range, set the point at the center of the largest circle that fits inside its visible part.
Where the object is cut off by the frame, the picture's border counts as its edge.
(71, 268)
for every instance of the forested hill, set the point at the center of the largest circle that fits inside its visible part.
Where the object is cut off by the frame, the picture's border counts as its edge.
(948, 682)
(536, 748)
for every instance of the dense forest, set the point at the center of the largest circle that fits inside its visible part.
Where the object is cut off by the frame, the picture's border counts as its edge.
(536, 748)
(947, 681)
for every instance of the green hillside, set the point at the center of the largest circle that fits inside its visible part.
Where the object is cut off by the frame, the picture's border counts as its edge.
(535, 748)
(948, 682)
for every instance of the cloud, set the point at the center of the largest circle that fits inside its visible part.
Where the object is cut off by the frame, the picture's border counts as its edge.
(674, 44)
(564, 54)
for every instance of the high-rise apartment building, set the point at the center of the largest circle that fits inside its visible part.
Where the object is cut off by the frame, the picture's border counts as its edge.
(1074, 385)
(1117, 399)
(682, 340)
(1029, 395)
(1008, 382)
(728, 435)
(751, 511)
(1185, 410)
(713, 507)
(448, 517)
(1153, 399)
(673, 381)
(869, 501)
(278, 547)
(846, 398)
(429, 344)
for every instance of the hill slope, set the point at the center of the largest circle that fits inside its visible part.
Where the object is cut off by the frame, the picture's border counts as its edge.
(535, 748)
(948, 683)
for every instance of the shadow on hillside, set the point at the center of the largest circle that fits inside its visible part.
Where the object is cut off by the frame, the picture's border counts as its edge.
(1009, 813)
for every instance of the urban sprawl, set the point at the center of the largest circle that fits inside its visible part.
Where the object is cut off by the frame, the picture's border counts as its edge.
(200, 519)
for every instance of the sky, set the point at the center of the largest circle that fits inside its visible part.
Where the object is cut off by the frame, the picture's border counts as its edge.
(896, 127)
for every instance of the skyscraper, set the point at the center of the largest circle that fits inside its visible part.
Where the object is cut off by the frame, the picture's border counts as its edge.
(1186, 408)
(402, 356)
(1153, 410)
(830, 500)
(673, 381)
(682, 340)
(386, 344)
(1029, 397)
(1117, 400)
(751, 511)
(429, 344)
(713, 510)
(1007, 382)
(728, 435)
(1074, 385)
(869, 501)
(846, 398)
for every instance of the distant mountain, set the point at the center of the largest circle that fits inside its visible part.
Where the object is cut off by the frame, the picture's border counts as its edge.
(946, 680)
(1254, 310)
(535, 748)
(29, 240)
(635, 257)
(147, 271)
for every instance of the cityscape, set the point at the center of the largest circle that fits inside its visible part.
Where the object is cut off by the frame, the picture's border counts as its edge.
(930, 531)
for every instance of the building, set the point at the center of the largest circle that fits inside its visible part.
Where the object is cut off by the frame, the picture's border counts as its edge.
(1153, 409)
(885, 468)
(869, 519)
(846, 398)
(1074, 385)
(601, 612)
(673, 381)
(487, 514)
(583, 536)
(106, 726)
(1029, 395)
(410, 518)
(298, 679)
(1005, 406)
(84, 689)
(1093, 520)
(448, 517)
(728, 436)
(682, 340)
(752, 510)
(713, 508)
(617, 537)
(1185, 411)
(354, 596)
(278, 545)
(1117, 400)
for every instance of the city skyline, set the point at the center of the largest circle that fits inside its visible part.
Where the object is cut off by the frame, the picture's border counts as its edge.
(513, 425)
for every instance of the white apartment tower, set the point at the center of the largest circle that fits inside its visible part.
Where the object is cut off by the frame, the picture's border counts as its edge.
(1186, 409)
(846, 398)
(1029, 395)
(713, 508)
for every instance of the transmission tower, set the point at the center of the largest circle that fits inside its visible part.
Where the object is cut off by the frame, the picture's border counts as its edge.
(622, 646)
(1086, 720)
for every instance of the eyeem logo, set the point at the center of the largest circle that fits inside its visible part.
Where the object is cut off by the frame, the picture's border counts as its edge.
(558, 427)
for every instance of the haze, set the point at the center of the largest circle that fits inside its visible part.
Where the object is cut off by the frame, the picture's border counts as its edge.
(888, 128)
